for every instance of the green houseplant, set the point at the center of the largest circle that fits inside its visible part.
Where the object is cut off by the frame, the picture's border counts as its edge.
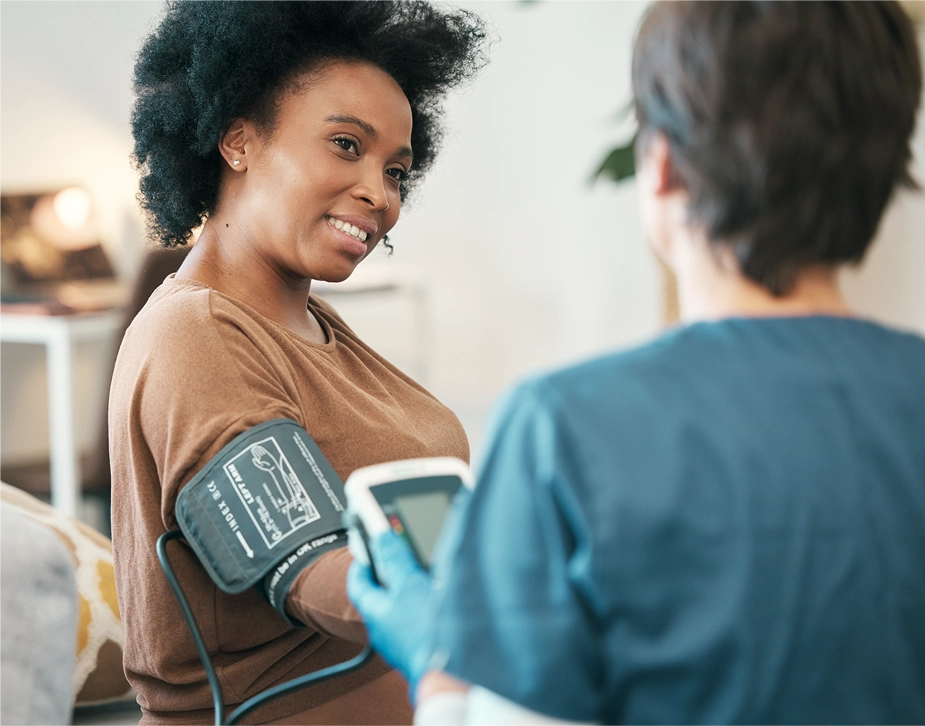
(620, 162)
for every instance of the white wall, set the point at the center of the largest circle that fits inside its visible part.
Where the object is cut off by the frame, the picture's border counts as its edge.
(525, 264)
(531, 264)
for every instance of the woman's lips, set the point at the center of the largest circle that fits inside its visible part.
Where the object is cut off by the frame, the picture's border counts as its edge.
(351, 244)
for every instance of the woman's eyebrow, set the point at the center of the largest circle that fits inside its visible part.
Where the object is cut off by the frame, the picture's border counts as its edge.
(367, 128)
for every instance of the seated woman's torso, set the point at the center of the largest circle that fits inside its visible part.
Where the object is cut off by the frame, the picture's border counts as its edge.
(196, 369)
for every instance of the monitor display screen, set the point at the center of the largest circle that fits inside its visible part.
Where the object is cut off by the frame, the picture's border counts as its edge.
(417, 510)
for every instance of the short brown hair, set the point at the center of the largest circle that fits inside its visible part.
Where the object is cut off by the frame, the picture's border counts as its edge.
(788, 122)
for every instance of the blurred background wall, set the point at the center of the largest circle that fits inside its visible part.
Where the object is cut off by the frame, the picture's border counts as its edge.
(522, 263)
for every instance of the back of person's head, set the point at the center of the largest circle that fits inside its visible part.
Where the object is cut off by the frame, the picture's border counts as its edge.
(208, 63)
(788, 123)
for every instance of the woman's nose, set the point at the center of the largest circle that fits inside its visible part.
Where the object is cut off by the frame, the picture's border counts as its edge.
(372, 189)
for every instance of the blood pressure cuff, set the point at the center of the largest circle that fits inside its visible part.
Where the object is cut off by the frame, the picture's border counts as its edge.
(262, 509)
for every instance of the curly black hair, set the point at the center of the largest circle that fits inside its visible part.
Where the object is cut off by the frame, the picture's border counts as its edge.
(208, 63)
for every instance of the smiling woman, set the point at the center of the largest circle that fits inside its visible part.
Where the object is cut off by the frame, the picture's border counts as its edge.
(311, 199)
(291, 133)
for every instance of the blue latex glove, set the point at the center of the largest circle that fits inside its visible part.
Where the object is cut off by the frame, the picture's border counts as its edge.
(398, 618)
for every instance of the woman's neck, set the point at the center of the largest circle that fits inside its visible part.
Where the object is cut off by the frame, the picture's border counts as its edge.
(711, 287)
(222, 262)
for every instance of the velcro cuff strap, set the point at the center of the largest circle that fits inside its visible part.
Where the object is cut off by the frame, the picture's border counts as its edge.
(259, 501)
(276, 583)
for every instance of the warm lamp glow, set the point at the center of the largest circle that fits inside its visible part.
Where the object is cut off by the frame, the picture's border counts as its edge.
(72, 207)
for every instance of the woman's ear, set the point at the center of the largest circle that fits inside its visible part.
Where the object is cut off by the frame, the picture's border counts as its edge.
(233, 144)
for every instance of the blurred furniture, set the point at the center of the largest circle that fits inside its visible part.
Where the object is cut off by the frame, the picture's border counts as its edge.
(67, 477)
(59, 333)
(62, 630)
(39, 623)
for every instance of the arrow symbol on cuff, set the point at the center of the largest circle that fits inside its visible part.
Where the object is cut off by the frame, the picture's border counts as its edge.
(250, 552)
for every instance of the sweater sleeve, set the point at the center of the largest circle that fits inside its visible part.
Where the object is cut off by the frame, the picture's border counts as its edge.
(206, 378)
(318, 598)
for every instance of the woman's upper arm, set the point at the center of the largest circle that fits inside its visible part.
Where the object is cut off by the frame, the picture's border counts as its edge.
(198, 382)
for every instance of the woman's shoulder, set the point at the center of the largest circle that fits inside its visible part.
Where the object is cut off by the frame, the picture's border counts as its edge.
(190, 341)
(181, 306)
(174, 300)
(186, 319)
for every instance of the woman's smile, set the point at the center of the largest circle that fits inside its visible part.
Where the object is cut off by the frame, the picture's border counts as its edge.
(352, 229)
(350, 236)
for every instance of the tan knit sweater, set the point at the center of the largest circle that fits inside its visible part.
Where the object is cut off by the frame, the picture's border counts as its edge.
(197, 368)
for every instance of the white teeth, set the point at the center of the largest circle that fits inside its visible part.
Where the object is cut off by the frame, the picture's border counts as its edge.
(348, 228)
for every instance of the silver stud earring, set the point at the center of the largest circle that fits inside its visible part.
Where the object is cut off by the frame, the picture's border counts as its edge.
(236, 162)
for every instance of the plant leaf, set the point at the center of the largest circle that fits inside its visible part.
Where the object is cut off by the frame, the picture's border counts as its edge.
(620, 163)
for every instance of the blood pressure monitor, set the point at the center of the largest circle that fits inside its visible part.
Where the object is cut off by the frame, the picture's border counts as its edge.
(411, 497)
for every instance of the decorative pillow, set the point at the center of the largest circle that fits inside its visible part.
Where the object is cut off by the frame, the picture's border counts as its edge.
(98, 675)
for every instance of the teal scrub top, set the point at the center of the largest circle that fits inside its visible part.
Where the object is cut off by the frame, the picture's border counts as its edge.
(724, 525)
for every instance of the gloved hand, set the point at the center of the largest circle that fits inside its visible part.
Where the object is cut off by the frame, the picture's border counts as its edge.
(398, 618)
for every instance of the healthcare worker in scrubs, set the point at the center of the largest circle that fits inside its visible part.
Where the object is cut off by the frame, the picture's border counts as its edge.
(728, 523)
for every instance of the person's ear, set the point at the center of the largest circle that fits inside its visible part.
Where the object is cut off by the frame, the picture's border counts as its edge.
(233, 144)
(662, 201)
(655, 165)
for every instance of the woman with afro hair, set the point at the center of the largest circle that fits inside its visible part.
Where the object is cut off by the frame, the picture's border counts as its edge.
(290, 133)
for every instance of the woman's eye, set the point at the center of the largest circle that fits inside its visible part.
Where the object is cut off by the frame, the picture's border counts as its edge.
(397, 173)
(347, 144)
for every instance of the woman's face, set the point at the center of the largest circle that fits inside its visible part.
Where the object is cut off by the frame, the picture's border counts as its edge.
(319, 192)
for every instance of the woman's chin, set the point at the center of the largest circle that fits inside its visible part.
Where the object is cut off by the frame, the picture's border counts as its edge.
(336, 275)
